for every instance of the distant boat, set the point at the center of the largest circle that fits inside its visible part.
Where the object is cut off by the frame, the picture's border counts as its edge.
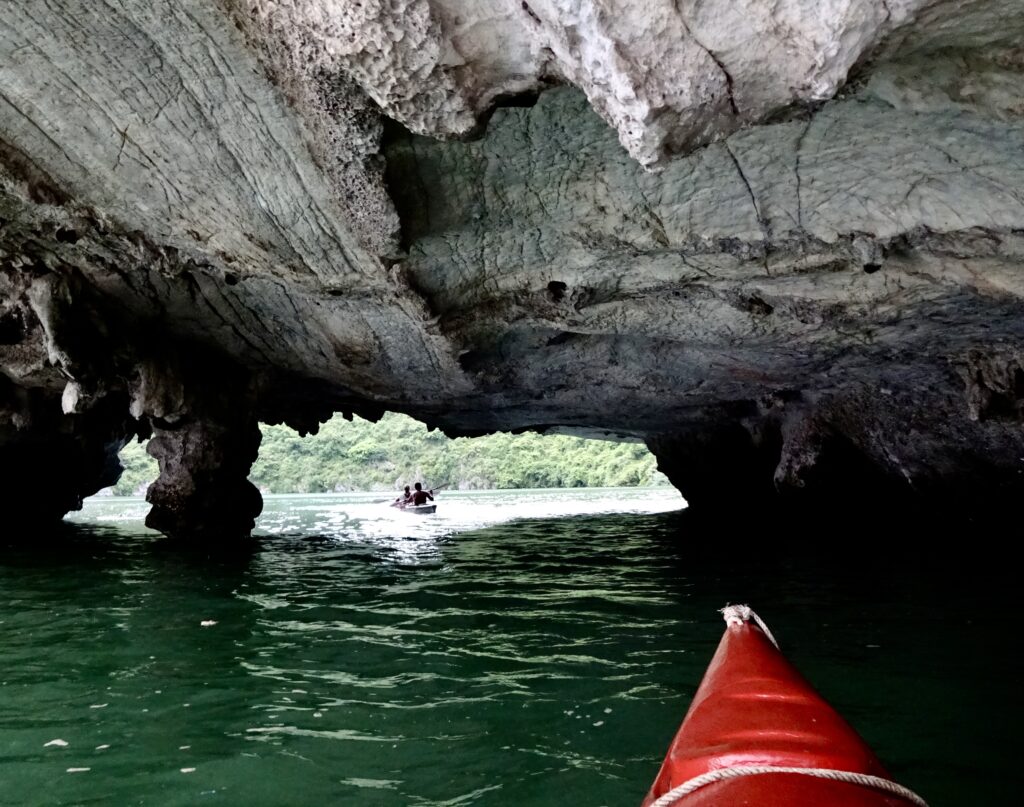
(420, 510)
(757, 734)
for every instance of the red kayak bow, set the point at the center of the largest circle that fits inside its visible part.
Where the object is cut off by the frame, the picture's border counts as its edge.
(758, 735)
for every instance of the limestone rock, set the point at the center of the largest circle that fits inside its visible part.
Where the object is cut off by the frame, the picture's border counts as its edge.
(213, 214)
(202, 491)
(666, 74)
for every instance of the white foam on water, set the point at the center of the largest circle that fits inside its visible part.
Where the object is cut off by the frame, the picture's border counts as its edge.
(346, 515)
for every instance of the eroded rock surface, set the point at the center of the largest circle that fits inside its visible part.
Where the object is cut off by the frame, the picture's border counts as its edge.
(216, 214)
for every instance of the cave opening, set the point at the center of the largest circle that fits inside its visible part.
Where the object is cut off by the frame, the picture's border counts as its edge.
(397, 450)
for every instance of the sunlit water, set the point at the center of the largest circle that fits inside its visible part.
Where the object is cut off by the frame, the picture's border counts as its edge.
(513, 649)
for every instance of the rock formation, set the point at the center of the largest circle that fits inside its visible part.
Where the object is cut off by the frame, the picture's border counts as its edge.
(783, 243)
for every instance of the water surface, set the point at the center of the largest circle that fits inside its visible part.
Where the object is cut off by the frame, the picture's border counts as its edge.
(493, 654)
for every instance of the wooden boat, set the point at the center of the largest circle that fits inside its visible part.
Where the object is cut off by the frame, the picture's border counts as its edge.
(420, 510)
(758, 735)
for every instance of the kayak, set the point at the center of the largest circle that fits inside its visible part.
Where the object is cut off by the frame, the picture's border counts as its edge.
(758, 735)
(421, 510)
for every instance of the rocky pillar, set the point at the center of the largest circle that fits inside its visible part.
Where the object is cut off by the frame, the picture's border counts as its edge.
(49, 461)
(854, 455)
(205, 438)
(716, 465)
(203, 490)
(61, 427)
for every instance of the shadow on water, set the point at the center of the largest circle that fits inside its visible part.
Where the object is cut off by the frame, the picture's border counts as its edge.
(90, 548)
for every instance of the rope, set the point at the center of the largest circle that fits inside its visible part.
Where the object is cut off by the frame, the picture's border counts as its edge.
(738, 614)
(863, 779)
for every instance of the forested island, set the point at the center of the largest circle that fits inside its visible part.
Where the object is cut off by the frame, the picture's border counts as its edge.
(397, 450)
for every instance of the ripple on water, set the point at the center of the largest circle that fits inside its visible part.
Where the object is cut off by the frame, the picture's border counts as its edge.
(491, 655)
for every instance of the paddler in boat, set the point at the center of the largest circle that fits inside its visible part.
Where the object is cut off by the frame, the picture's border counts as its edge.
(404, 499)
(420, 496)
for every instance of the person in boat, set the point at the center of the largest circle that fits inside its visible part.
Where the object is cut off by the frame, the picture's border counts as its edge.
(404, 499)
(420, 496)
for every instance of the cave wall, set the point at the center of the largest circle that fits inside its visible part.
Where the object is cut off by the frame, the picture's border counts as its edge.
(782, 244)
(843, 274)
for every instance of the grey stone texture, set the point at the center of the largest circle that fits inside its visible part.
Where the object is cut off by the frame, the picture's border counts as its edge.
(781, 242)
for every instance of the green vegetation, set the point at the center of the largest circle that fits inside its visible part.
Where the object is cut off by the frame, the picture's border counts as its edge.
(139, 470)
(398, 450)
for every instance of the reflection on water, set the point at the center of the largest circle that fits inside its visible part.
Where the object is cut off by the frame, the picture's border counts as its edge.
(367, 520)
(488, 655)
(358, 515)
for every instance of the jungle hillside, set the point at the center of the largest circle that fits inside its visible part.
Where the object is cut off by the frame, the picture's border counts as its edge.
(397, 451)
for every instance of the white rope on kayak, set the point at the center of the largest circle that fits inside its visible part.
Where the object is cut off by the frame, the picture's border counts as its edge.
(739, 614)
(863, 779)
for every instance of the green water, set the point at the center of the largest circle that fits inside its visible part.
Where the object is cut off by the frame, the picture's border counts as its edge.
(366, 657)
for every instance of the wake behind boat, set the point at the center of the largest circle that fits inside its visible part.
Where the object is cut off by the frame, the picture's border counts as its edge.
(419, 510)
(757, 734)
